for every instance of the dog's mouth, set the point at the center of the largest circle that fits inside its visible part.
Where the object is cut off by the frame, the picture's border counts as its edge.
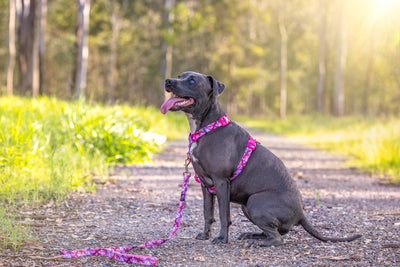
(176, 103)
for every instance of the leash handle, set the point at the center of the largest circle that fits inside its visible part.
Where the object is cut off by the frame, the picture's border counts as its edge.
(119, 253)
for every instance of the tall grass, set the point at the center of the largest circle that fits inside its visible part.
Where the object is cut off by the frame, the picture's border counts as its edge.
(372, 144)
(49, 148)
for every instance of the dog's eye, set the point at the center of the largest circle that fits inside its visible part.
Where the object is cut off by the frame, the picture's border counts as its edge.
(191, 81)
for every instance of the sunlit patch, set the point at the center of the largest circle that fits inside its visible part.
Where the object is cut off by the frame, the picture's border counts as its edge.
(152, 137)
(387, 3)
(385, 6)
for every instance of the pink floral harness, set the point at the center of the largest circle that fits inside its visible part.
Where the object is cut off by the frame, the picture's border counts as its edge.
(119, 253)
(223, 121)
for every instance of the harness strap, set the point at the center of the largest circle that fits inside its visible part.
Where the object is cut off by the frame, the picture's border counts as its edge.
(250, 147)
(221, 122)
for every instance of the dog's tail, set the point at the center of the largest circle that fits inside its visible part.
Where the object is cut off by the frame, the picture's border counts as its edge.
(311, 230)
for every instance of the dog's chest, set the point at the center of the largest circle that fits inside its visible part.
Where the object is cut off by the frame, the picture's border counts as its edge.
(200, 172)
(192, 152)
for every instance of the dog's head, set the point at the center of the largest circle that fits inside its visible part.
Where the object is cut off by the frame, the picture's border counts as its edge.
(192, 92)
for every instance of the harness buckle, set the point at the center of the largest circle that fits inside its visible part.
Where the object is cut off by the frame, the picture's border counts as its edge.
(192, 138)
(252, 143)
(224, 120)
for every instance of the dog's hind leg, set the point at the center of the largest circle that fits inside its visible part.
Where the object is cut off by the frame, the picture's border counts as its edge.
(250, 235)
(261, 212)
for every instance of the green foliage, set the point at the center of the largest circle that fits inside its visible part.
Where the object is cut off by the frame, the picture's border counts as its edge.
(49, 147)
(372, 144)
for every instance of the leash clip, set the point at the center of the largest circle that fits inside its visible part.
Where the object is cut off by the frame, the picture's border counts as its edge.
(187, 163)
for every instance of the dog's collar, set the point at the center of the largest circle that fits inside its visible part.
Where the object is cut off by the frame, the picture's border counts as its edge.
(221, 122)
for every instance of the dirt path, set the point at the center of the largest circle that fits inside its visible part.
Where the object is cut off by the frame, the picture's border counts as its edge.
(139, 204)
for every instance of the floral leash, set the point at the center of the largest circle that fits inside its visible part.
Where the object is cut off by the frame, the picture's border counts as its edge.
(119, 253)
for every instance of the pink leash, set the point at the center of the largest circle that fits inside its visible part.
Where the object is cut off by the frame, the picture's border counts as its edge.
(119, 253)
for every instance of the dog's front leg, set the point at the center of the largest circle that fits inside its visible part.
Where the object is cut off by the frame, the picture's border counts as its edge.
(222, 189)
(208, 209)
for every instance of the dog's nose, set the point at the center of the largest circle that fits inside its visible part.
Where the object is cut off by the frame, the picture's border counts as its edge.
(168, 81)
(168, 84)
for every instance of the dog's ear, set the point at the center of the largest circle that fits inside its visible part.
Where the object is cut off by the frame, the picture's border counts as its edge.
(217, 86)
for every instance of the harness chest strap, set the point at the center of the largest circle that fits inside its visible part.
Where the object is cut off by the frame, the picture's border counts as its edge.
(223, 121)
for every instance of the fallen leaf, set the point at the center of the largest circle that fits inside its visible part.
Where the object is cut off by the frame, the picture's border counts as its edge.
(89, 238)
(391, 245)
(341, 258)
(33, 245)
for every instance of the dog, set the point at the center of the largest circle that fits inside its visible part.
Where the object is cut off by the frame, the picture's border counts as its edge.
(268, 195)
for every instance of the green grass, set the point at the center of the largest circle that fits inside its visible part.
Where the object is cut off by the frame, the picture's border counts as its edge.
(373, 145)
(49, 148)
(12, 233)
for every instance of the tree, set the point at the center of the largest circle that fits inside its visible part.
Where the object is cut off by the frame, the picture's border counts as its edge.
(42, 30)
(81, 48)
(166, 47)
(338, 90)
(28, 40)
(283, 72)
(321, 56)
(116, 12)
(11, 47)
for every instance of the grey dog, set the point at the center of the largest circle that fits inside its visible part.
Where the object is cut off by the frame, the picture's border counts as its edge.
(268, 194)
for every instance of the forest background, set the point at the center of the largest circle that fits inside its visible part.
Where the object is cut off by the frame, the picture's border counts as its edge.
(276, 57)
(283, 62)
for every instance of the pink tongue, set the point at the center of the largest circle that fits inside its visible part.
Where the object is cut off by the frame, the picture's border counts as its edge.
(169, 103)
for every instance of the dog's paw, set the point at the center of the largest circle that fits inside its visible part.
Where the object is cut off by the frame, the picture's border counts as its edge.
(272, 242)
(220, 240)
(252, 236)
(203, 236)
(250, 243)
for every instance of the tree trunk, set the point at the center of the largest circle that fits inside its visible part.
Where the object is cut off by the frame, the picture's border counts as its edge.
(35, 49)
(116, 14)
(28, 40)
(283, 72)
(338, 97)
(11, 47)
(368, 78)
(321, 57)
(81, 48)
(166, 47)
(42, 44)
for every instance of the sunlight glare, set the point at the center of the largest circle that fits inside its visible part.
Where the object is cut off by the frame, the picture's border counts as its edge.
(383, 8)
(385, 5)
